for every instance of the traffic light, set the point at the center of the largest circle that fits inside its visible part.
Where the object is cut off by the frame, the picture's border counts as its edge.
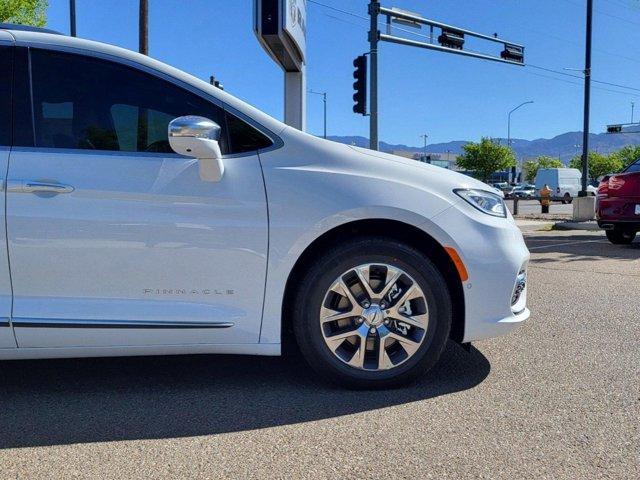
(515, 53)
(451, 39)
(360, 85)
(614, 128)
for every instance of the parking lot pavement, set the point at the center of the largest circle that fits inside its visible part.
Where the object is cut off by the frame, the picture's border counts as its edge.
(532, 207)
(558, 398)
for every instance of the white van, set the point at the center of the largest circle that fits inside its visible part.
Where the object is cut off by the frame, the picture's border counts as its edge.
(565, 183)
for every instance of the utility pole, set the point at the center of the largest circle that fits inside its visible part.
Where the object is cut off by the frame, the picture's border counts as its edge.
(72, 17)
(425, 136)
(633, 105)
(143, 27)
(324, 100)
(587, 100)
(513, 169)
(374, 37)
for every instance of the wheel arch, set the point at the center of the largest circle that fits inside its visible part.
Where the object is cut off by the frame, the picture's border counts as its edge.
(404, 232)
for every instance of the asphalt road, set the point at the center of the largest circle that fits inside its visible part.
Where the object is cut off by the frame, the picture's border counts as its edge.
(558, 398)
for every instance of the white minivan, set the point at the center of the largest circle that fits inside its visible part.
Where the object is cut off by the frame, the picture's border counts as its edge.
(146, 212)
(565, 183)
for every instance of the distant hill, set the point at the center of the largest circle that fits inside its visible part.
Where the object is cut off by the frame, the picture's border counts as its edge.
(563, 146)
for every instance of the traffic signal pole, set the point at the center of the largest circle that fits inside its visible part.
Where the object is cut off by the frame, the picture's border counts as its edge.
(374, 37)
(451, 40)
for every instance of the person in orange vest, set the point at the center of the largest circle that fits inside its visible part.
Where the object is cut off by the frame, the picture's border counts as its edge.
(545, 198)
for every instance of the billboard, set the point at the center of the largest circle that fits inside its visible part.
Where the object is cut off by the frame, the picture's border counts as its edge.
(281, 28)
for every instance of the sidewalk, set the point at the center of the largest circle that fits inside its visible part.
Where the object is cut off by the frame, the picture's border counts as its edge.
(530, 225)
(590, 226)
(527, 225)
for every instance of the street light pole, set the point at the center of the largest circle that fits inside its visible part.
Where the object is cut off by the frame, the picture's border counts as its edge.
(587, 100)
(324, 101)
(425, 136)
(513, 169)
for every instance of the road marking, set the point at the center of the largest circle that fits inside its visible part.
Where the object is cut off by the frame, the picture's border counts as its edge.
(566, 243)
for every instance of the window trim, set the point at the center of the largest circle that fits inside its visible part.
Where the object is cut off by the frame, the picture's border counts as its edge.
(9, 44)
(276, 141)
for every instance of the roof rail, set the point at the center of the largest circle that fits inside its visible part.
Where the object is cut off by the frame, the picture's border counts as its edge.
(26, 28)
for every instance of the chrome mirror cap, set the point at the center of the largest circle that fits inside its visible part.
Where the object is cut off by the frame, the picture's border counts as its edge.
(198, 137)
(193, 126)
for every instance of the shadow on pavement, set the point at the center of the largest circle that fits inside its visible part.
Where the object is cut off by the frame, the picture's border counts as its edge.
(59, 402)
(576, 248)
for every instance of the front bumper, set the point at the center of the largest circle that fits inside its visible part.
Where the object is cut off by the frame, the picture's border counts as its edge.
(494, 254)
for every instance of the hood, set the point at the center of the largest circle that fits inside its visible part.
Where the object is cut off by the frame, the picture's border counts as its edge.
(446, 177)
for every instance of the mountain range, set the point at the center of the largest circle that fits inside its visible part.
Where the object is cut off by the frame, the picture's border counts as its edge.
(564, 146)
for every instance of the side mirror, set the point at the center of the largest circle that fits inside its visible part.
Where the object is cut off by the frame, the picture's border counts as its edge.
(198, 137)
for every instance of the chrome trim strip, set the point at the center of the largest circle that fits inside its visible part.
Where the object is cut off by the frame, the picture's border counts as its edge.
(74, 323)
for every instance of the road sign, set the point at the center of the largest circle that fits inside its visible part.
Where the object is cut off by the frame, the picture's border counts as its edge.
(281, 28)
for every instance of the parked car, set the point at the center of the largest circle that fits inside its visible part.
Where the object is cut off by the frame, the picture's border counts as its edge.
(565, 183)
(618, 205)
(523, 191)
(147, 212)
(495, 190)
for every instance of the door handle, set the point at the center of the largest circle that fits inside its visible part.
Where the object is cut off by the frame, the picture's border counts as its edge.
(42, 187)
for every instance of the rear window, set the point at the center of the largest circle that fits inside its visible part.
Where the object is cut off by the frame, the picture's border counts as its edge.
(634, 167)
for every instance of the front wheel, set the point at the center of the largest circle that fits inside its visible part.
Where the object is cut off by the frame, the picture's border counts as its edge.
(567, 198)
(618, 236)
(372, 313)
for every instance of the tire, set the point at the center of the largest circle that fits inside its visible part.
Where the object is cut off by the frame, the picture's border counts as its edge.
(315, 292)
(566, 199)
(618, 236)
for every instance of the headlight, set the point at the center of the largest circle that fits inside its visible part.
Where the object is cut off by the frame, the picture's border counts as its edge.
(486, 202)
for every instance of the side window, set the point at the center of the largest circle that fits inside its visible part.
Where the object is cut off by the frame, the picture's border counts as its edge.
(6, 65)
(243, 137)
(634, 167)
(93, 104)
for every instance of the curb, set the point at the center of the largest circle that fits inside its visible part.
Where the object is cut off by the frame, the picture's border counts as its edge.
(586, 226)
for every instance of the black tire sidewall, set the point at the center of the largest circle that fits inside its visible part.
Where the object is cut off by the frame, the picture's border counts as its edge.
(328, 268)
(620, 237)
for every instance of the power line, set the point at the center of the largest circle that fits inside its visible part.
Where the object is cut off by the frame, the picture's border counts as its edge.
(330, 7)
(538, 67)
(606, 14)
(562, 39)
(624, 4)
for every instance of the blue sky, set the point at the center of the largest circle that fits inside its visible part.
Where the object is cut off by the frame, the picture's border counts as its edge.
(447, 96)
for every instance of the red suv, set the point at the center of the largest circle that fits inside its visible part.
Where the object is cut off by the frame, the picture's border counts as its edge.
(618, 204)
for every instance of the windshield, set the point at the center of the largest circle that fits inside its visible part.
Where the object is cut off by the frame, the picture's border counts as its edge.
(634, 167)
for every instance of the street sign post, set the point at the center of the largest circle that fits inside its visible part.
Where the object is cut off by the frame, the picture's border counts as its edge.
(281, 29)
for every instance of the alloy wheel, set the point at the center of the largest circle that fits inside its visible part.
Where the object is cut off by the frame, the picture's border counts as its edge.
(374, 317)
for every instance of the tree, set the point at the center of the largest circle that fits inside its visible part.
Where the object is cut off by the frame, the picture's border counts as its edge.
(486, 157)
(531, 167)
(24, 12)
(627, 155)
(599, 164)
